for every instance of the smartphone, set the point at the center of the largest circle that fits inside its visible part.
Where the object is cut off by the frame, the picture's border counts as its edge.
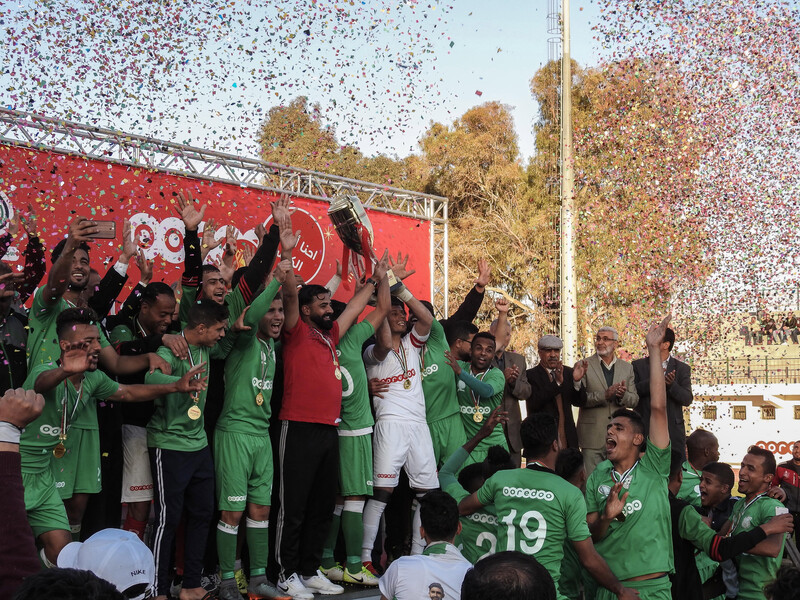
(106, 230)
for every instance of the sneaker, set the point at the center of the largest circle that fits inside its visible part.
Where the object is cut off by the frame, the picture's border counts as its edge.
(319, 584)
(175, 586)
(371, 568)
(265, 589)
(294, 588)
(241, 581)
(334, 573)
(210, 583)
(362, 577)
(228, 591)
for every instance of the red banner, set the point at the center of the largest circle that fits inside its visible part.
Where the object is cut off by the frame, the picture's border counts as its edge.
(61, 186)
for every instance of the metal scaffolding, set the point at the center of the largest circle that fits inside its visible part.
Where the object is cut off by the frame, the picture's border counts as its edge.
(66, 137)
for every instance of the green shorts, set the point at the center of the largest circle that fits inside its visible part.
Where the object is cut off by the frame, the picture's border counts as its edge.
(355, 465)
(78, 471)
(650, 589)
(448, 436)
(243, 466)
(45, 508)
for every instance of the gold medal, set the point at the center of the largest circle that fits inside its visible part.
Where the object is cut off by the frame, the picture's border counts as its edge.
(477, 417)
(194, 413)
(407, 384)
(337, 373)
(259, 398)
(59, 451)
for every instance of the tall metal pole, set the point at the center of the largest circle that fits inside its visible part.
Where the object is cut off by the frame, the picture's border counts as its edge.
(569, 289)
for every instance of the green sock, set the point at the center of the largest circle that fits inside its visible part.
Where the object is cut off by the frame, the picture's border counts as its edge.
(328, 560)
(258, 544)
(353, 526)
(226, 548)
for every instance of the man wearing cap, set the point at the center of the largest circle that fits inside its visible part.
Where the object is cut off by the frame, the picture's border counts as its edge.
(555, 389)
(610, 385)
(116, 555)
(517, 387)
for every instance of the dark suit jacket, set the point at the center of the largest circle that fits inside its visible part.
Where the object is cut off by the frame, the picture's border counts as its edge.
(512, 396)
(543, 398)
(679, 394)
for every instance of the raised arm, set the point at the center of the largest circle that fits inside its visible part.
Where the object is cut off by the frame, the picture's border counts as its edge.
(256, 272)
(424, 317)
(283, 219)
(80, 232)
(472, 301)
(359, 302)
(383, 305)
(659, 430)
(150, 391)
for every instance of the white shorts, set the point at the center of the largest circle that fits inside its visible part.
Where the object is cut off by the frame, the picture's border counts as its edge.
(399, 444)
(137, 481)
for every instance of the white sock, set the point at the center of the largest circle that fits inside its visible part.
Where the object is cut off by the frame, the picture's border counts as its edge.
(417, 543)
(372, 520)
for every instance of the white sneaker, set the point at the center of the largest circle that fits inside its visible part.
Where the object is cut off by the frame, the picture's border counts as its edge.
(335, 573)
(319, 584)
(293, 586)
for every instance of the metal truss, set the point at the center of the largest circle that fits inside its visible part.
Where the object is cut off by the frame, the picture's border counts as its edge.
(67, 137)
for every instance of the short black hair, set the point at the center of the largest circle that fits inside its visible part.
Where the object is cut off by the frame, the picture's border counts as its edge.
(206, 312)
(438, 512)
(786, 585)
(59, 248)
(484, 335)
(698, 441)
(770, 466)
(397, 303)
(675, 464)
(538, 432)
(636, 421)
(471, 477)
(721, 471)
(155, 289)
(208, 269)
(459, 330)
(66, 584)
(508, 575)
(497, 459)
(338, 308)
(568, 462)
(70, 317)
(669, 336)
(308, 292)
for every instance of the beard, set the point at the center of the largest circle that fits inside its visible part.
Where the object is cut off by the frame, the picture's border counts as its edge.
(322, 322)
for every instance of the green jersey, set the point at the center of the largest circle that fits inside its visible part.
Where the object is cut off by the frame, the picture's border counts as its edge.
(170, 427)
(43, 345)
(647, 526)
(755, 571)
(437, 376)
(690, 487)
(249, 373)
(471, 403)
(356, 413)
(41, 436)
(537, 512)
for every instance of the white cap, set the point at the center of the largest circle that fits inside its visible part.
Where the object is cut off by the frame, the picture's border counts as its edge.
(116, 555)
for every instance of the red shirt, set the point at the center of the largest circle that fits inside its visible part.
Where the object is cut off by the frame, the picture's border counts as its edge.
(311, 391)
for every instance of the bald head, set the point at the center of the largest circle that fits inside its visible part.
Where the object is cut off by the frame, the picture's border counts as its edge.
(702, 447)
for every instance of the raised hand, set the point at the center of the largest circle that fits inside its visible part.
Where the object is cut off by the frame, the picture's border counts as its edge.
(579, 370)
(189, 214)
(8, 283)
(498, 416)
(145, 267)
(75, 358)
(247, 254)
(656, 334)
(129, 245)
(381, 267)
(484, 274)
(239, 325)
(260, 232)
(453, 362)
(81, 230)
(209, 242)
(282, 271)
(502, 304)
(400, 266)
(28, 222)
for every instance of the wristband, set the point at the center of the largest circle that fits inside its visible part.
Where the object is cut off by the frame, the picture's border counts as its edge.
(403, 293)
(372, 281)
(9, 433)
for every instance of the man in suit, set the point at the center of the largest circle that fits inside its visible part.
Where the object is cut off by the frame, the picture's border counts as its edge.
(609, 386)
(677, 375)
(555, 389)
(513, 367)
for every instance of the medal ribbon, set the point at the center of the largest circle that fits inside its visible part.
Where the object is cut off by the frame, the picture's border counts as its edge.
(477, 399)
(735, 523)
(265, 363)
(617, 478)
(329, 345)
(64, 421)
(403, 361)
(196, 395)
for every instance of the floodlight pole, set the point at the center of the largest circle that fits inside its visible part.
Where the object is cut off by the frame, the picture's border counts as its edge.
(569, 288)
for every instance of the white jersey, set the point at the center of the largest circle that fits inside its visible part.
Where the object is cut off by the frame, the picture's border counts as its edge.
(437, 573)
(399, 402)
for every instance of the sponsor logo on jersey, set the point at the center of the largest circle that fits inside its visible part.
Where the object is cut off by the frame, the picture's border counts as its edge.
(515, 492)
(262, 385)
(385, 476)
(140, 488)
(60, 484)
(483, 518)
(461, 386)
(369, 483)
(49, 430)
(430, 370)
(747, 521)
(604, 490)
(237, 498)
(407, 375)
(471, 410)
(631, 507)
